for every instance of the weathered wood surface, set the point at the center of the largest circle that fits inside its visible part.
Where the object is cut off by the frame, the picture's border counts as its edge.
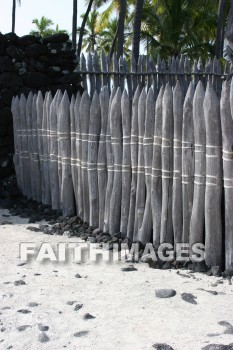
(78, 188)
(64, 146)
(145, 231)
(156, 175)
(134, 163)
(126, 162)
(29, 142)
(213, 195)
(16, 128)
(102, 154)
(110, 166)
(187, 162)
(227, 140)
(84, 111)
(116, 138)
(197, 223)
(141, 187)
(177, 212)
(93, 145)
(39, 109)
(166, 233)
(53, 165)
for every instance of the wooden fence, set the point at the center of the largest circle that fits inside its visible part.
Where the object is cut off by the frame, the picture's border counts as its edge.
(154, 169)
(99, 70)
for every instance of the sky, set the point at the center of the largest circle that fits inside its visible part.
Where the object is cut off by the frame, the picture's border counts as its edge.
(59, 11)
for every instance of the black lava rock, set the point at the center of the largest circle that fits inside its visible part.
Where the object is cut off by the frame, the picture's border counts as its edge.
(165, 293)
(190, 298)
(162, 346)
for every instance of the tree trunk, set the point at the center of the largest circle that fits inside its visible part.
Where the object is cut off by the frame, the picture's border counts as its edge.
(220, 29)
(121, 28)
(137, 28)
(13, 15)
(229, 26)
(80, 39)
(74, 23)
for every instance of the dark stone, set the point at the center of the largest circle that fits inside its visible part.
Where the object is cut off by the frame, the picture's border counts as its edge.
(129, 268)
(80, 334)
(162, 346)
(15, 53)
(43, 328)
(34, 218)
(190, 298)
(228, 272)
(54, 72)
(5, 116)
(78, 307)
(165, 293)
(88, 317)
(78, 275)
(24, 311)
(37, 80)
(27, 40)
(23, 328)
(19, 283)
(11, 37)
(71, 302)
(32, 304)
(56, 38)
(199, 267)
(10, 79)
(72, 78)
(43, 338)
(2, 50)
(36, 50)
(218, 347)
(33, 229)
(229, 327)
(3, 39)
(6, 65)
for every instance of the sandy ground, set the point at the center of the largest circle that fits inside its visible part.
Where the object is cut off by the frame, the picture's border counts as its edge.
(128, 316)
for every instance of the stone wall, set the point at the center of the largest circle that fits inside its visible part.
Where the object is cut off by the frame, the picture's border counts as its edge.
(31, 63)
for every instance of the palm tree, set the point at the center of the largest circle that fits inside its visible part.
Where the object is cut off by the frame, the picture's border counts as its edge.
(107, 38)
(74, 23)
(137, 28)
(220, 29)
(179, 27)
(91, 32)
(121, 7)
(13, 14)
(82, 28)
(43, 27)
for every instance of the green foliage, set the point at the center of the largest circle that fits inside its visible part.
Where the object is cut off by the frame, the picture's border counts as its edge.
(43, 27)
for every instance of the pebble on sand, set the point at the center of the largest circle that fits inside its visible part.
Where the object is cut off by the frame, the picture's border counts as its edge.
(80, 334)
(19, 283)
(88, 317)
(43, 338)
(162, 346)
(190, 298)
(165, 293)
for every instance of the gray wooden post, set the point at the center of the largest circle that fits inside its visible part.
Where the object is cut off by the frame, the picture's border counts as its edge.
(78, 145)
(134, 162)
(126, 162)
(53, 164)
(213, 195)
(166, 234)
(197, 223)
(29, 143)
(110, 166)
(39, 107)
(36, 161)
(145, 231)
(45, 140)
(64, 145)
(93, 145)
(24, 143)
(177, 216)
(16, 126)
(156, 179)
(187, 162)
(102, 156)
(227, 138)
(141, 187)
(85, 105)
(116, 138)
(73, 150)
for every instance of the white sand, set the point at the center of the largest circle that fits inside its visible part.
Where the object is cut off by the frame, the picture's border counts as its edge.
(128, 315)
